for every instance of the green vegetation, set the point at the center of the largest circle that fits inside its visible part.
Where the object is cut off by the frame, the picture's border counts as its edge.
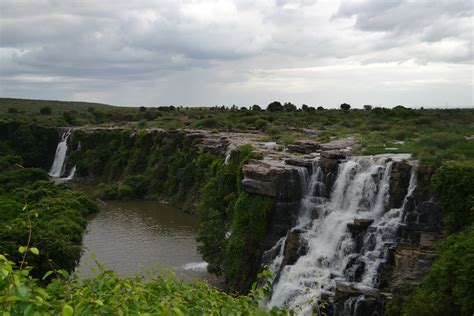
(35, 211)
(26, 144)
(449, 285)
(432, 135)
(106, 294)
(158, 165)
(234, 224)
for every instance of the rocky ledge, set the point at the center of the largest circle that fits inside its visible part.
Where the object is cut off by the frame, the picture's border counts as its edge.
(273, 178)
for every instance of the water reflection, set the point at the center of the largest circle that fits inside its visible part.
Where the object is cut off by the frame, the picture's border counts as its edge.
(132, 237)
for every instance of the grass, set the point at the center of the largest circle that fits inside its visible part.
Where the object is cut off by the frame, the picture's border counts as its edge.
(433, 135)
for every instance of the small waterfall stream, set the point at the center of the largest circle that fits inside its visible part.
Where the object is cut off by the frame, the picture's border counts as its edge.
(358, 200)
(59, 164)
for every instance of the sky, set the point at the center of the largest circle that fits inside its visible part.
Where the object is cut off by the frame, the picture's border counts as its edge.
(206, 53)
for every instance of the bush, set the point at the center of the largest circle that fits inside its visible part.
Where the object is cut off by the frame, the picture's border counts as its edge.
(449, 285)
(107, 294)
(261, 124)
(46, 110)
(454, 186)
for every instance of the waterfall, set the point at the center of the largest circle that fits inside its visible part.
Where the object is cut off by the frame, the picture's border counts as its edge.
(59, 166)
(358, 200)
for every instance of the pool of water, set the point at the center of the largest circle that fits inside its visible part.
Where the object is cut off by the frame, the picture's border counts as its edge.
(140, 236)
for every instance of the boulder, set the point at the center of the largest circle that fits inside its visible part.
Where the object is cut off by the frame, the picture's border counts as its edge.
(272, 178)
(303, 146)
(358, 229)
(328, 162)
(307, 163)
(350, 300)
(295, 247)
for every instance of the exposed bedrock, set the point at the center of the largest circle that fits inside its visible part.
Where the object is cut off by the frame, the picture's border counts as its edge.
(272, 178)
(304, 146)
(329, 162)
(399, 180)
(410, 259)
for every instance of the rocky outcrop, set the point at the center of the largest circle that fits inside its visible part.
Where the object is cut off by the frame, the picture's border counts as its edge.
(358, 229)
(353, 301)
(300, 162)
(399, 181)
(329, 161)
(295, 247)
(272, 178)
(410, 259)
(208, 142)
(304, 146)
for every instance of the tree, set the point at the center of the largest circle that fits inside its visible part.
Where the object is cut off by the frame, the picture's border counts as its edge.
(275, 106)
(70, 117)
(320, 108)
(289, 107)
(90, 109)
(367, 107)
(345, 106)
(142, 109)
(12, 110)
(46, 110)
(307, 108)
(256, 108)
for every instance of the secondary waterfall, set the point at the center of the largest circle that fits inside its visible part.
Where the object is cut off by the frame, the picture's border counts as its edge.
(59, 166)
(358, 199)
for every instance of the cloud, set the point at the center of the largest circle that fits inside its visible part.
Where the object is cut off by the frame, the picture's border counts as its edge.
(211, 52)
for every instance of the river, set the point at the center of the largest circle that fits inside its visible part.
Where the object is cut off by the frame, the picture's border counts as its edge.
(140, 236)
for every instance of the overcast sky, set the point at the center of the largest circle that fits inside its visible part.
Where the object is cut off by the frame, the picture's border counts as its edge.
(158, 52)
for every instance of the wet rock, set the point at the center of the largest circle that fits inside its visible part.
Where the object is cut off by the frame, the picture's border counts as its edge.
(295, 247)
(307, 163)
(399, 182)
(284, 217)
(358, 229)
(350, 300)
(303, 146)
(328, 162)
(354, 269)
(359, 226)
(272, 178)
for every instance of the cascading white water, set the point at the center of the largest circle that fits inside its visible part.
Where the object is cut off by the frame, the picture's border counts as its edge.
(58, 167)
(361, 191)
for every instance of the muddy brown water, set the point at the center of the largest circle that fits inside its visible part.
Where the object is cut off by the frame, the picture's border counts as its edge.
(138, 236)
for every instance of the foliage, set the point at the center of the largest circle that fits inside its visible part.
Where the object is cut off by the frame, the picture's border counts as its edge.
(345, 106)
(34, 144)
(233, 224)
(432, 135)
(58, 222)
(244, 246)
(107, 294)
(449, 285)
(454, 186)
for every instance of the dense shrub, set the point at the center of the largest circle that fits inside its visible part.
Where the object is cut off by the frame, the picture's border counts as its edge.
(107, 294)
(54, 215)
(454, 185)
